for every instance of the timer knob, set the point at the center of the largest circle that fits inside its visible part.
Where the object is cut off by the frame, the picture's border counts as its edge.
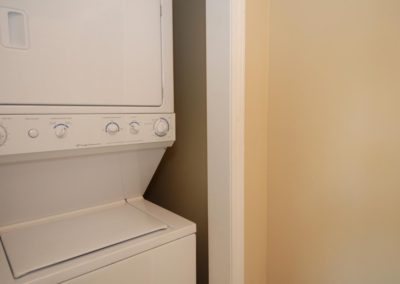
(112, 128)
(134, 127)
(61, 130)
(3, 135)
(161, 127)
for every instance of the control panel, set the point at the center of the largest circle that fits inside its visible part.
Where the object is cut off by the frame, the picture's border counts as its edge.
(22, 134)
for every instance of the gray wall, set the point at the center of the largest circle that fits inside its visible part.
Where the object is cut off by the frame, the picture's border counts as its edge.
(180, 183)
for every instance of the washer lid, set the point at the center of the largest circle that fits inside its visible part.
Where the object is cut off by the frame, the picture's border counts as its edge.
(39, 246)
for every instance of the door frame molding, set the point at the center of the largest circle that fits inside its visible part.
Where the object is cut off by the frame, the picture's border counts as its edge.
(225, 139)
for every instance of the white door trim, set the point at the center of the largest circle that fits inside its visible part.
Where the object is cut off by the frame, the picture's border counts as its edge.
(225, 130)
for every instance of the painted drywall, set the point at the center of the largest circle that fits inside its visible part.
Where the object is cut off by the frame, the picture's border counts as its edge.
(256, 141)
(333, 142)
(180, 183)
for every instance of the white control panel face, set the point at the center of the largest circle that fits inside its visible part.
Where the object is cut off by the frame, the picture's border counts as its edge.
(23, 134)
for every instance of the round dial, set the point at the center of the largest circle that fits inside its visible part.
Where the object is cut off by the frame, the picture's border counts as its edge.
(3, 135)
(161, 127)
(134, 127)
(33, 133)
(61, 130)
(112, 128)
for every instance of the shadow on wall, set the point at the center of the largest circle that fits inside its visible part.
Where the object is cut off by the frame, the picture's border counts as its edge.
(180, 183)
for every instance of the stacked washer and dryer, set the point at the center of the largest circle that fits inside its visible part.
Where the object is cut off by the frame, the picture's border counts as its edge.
(86, 114)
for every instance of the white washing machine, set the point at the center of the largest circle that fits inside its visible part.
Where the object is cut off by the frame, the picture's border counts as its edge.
(86, 114)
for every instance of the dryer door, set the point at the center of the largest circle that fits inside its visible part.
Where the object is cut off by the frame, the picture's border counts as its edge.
(74, 52)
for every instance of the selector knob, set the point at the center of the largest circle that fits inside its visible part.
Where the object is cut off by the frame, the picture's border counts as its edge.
(3, 135)
(61, 130)
(33, 133)
(134, 127)
(112, 128)
(161, 127)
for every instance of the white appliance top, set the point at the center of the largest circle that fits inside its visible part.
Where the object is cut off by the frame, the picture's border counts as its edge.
(178, 227)
(38, 246)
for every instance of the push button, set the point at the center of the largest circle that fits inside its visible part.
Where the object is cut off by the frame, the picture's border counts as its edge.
(33, 133)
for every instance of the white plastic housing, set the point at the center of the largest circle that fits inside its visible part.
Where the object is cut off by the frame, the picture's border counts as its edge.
(42, 188)
(145, 259)
(94, 56)
(31, 248)
(35, 134)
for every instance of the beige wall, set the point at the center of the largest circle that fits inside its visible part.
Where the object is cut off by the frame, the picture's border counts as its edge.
(180, 183)
(334, 142)
(256, 142)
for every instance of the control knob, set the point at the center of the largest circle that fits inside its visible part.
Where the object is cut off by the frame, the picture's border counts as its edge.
(3, 135)
(61, 130)
(112, 128)
(161, 127)
(33, 133)
(134, 127)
